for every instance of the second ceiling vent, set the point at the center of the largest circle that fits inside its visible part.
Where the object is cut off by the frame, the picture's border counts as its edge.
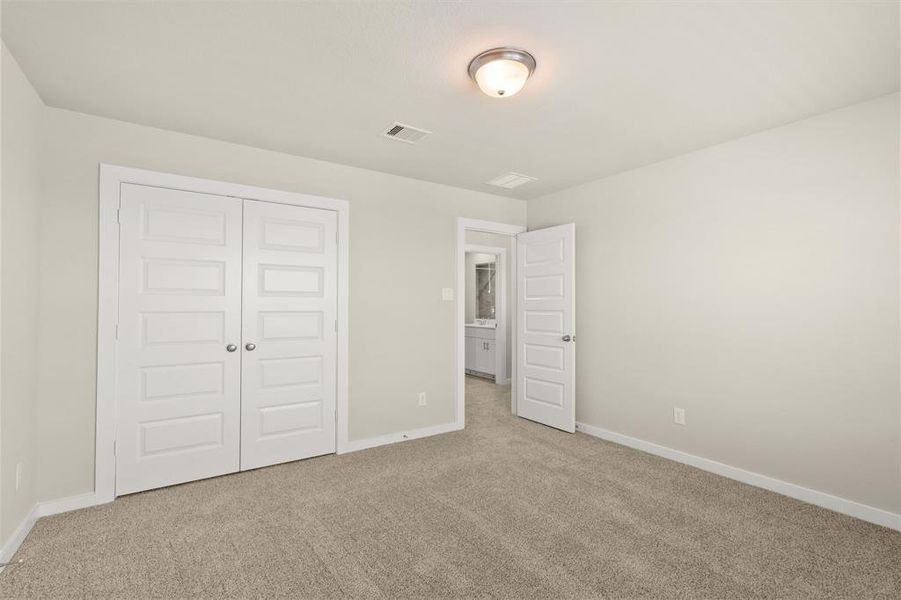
(405, 133)
(511, 180)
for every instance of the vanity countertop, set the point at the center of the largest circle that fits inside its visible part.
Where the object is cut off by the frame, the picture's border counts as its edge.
(481, 326)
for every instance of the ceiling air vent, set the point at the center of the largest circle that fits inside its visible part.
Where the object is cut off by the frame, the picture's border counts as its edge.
(511, 180)
(405, 133)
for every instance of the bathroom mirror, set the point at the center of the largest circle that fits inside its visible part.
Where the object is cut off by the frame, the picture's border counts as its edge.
(486, 290)
(481, 288)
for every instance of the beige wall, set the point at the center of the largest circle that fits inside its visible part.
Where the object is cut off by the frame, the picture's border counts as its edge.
(21, 167)
(398, 226)
(755, 284)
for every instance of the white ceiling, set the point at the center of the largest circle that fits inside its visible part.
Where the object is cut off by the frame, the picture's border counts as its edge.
(618, 84)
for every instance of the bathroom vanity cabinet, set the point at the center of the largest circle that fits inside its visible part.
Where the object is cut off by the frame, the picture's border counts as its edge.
(480, 350)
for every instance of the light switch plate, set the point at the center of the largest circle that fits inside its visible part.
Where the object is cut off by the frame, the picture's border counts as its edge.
(447, 294)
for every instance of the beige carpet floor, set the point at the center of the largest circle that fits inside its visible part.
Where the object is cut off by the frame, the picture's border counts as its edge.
(504, 509)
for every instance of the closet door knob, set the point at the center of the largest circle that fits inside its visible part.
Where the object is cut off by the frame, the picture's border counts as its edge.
(231, 347)
(567, 338)
(250, 347)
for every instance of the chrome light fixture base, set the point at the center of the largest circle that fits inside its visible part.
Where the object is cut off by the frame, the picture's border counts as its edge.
(504, 53)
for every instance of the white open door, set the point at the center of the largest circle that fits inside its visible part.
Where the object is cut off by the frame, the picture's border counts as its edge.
(546, 366)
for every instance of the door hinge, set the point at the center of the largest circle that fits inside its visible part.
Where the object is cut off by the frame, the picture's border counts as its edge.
(117, 331)
(115, 447)
(336, 325)
(119, 216)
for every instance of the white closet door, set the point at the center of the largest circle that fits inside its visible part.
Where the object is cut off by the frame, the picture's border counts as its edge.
(289, 342)
(178, 410)
(546, 373)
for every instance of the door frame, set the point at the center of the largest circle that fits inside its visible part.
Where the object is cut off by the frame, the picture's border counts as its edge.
(500, 316)
(463, 225)
(111, 179)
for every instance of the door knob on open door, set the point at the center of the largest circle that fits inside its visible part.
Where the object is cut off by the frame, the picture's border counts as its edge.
(567, 338)
(250, 347)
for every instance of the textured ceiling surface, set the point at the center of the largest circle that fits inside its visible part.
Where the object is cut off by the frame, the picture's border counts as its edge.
(618, 84)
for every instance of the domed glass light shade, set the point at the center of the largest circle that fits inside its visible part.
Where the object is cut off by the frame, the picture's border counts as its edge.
(501, 72)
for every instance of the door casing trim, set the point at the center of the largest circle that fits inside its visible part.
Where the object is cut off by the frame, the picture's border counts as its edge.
(111, 179)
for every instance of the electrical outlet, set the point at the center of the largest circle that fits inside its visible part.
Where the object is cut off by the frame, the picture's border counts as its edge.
(422, 401)
(20, 468)
(447, 294)
(678, 416)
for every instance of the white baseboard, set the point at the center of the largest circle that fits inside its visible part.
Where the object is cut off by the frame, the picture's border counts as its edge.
(392, 438)
(15, 540)
(840, 505)
(44, 509)
(55, 507)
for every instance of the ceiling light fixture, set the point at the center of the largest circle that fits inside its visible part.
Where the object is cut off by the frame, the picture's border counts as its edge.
(501, 72)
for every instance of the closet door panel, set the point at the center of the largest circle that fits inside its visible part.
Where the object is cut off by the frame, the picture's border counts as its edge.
(178, 403)
(289, 340)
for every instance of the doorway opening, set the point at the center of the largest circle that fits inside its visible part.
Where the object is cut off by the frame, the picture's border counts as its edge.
(486, 326)
(519, 316)
(486, 320)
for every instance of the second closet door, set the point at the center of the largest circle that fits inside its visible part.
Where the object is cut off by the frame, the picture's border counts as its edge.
(288, 379)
